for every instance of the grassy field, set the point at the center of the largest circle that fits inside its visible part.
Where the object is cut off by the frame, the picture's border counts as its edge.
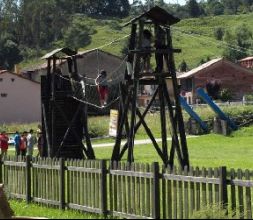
(211, 150)
(194, 36)
(22, 209)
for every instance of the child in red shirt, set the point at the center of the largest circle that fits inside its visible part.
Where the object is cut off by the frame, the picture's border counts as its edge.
(4, 143)
(23, 144)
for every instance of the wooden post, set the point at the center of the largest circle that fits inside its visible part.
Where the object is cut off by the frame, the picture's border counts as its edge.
(163, 122)
(62, 184)
(180, 120)
(225, 128)
(28, 180)
(217, 126)
(223, 188)
(156, 192)
(135, 80)
(104, 188)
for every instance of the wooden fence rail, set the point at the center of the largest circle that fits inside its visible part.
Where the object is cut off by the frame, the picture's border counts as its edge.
(127, 190)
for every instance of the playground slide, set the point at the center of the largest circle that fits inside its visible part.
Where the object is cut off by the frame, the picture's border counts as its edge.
(202, 94)
(193, 114)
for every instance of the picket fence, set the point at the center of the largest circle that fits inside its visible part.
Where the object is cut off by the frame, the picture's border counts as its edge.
(127, 190)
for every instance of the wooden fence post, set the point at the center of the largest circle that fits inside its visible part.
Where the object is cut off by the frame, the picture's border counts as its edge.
(156, 191)
(28, 179)
(104, 188)
(1, 170)
(223, 188)
(62, 184)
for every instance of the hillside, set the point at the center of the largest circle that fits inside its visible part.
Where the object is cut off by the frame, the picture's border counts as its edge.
(194, 36)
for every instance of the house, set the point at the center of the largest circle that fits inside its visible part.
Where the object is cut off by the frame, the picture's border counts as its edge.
(89, 64)
(19, 99)
(247, 62)
(233, 77)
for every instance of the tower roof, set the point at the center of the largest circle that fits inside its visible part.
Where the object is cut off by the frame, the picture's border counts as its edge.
(157, 15)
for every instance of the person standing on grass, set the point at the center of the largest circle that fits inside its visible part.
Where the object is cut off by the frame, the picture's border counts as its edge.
(23, 144)
(31, 141)
(17, 142)
(4, 144)
(40, 140)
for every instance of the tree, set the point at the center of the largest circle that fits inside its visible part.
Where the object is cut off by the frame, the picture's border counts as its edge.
(219, 33)
(193, 8)
(231, 6)
(183, 67)
(214, 7)
(9, 52)
(78, 33)
(238, 43)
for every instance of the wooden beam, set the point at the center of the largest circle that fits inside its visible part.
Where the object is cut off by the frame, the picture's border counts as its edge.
(73, 130)
(139, 123)
(163, 124)
(46, 128)
(186, 162)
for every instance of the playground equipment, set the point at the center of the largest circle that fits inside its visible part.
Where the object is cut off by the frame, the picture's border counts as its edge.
(64, 119)
(160, 21)
(65, 99)
(204, 96)
(193, 114)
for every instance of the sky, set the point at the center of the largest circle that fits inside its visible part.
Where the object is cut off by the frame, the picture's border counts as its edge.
(182, 2)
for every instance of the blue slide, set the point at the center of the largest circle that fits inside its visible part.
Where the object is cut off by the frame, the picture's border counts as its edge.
(202, 94)
(193, 114)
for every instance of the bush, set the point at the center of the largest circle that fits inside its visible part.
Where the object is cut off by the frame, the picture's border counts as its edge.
(211, 212)
(225, 95)
(248, 98)
(219, 33)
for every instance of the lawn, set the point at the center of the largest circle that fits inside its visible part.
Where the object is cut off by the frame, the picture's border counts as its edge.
(211, 150)
(33, 210)
(207, 151)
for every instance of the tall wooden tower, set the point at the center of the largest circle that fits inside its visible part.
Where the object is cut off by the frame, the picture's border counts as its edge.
(64, 120)
(159, 22)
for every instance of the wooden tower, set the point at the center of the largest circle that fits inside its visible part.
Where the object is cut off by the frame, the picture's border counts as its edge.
(64, 120)
(159, 21)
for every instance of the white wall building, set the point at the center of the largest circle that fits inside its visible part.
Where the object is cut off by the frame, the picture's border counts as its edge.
(20, 100)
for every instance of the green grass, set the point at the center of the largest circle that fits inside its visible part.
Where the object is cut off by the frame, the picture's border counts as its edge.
(210, 150)
(194, 47)
(22, 209)
(206, 151)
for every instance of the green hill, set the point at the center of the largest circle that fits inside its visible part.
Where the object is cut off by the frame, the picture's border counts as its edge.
(194, 36)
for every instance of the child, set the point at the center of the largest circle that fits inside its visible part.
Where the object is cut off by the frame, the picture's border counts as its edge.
(23, 144)
(31, 141)
(40, 140)
(4, 145)
(17, 141)
(146, 45)
(102, 83)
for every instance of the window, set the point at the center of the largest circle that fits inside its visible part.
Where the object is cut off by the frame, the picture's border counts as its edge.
(4, 95)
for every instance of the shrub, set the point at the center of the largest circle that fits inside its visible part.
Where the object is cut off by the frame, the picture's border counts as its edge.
(225, 95)
(249, 98)
(219, 33)
(211, 212)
